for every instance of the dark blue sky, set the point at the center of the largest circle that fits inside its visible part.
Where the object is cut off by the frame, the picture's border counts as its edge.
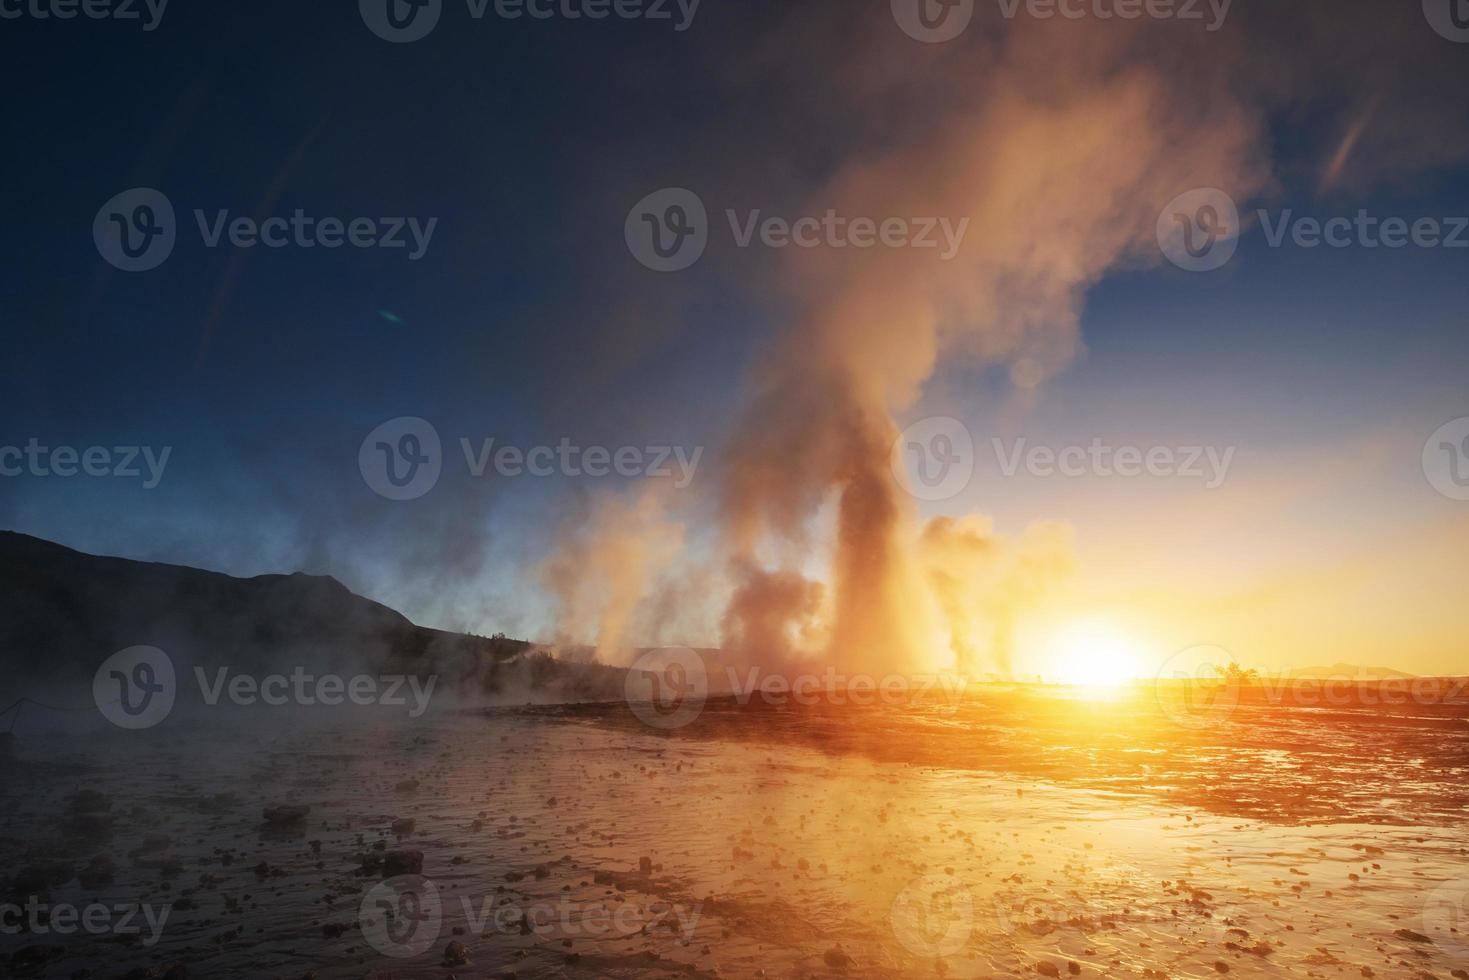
(527, 319)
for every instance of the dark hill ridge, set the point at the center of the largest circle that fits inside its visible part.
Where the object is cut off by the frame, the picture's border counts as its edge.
(63, 612)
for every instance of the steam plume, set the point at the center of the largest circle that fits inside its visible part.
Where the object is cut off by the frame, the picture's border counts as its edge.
(1062, 176)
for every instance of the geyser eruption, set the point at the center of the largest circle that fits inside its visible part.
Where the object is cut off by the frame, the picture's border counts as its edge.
(1060, 179)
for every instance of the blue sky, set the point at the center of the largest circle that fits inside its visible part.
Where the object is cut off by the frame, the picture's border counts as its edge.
(528, 320)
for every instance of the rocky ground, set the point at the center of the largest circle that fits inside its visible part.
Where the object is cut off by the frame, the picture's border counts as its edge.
(519, 844)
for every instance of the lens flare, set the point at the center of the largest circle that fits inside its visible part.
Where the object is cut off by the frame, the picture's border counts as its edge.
(1097, 654)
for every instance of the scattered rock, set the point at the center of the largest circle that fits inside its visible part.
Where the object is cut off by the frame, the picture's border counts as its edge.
(286, 816)
(40, 878)
(29, 959)
(455, 954)
(89, 801)
(89, 814)
(176, 971)
(834, 957)
(152, 844)
(402, 863)
(98, 872)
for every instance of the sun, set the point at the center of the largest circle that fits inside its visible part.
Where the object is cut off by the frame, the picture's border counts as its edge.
(1095, 653)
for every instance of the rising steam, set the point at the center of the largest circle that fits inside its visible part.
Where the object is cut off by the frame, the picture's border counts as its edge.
(1062, 179)
(1061, 175)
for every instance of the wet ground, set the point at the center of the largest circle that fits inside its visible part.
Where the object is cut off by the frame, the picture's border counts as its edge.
(957, 842)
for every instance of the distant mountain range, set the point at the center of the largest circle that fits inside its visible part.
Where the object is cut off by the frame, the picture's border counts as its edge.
(1351, 671)
(62, 613)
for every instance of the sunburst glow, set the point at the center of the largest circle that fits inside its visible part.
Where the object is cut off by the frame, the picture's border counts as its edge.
(1095, 653)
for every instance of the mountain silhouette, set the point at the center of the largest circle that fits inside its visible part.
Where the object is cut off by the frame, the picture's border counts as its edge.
(63, 612)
